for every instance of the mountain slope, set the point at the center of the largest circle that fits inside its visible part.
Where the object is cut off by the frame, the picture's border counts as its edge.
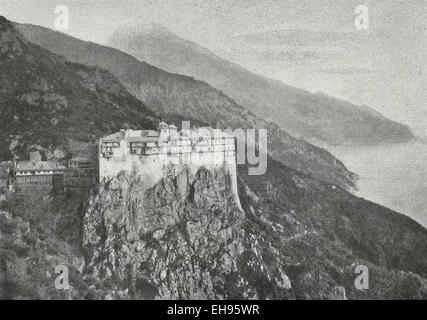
(171, 93)
(314, 117)
(46, 100)
(321, 233)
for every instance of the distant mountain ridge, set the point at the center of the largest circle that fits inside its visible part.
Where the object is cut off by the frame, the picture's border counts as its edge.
(316, 118)
(191, 99)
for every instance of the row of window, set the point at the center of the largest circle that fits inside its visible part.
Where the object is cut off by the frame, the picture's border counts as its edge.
(31, 173)
(200, 141)
(139, 148)
(190, 160)
(177, 150)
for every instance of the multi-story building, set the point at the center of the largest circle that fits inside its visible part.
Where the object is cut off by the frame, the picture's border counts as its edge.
(38, 174)
(149, 153)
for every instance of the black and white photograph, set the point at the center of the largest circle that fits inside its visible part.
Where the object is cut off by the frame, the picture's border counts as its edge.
(224, 152)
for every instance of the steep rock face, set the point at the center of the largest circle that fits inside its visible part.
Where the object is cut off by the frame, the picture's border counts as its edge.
(175, 94)
(181, 239)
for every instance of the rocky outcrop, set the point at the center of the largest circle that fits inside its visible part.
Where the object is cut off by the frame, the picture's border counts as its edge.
(181, 239)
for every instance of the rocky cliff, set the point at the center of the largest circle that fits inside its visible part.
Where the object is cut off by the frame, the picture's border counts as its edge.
(181, 239)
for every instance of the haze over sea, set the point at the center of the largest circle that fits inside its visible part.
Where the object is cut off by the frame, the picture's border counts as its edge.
(392, 175)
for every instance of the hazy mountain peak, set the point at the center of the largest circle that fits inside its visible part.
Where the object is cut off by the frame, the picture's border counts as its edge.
(154, 27)
(146, 29)
(170, 45)
(318, 118)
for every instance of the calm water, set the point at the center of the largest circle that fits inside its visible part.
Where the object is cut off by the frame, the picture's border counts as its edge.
(394, 176)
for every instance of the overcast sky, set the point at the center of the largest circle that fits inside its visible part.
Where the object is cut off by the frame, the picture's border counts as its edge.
(309, 44)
